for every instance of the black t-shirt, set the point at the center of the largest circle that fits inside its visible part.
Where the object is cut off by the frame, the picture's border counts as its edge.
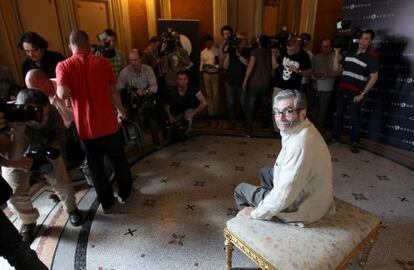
(237, 70)
(286, 79)
(179, 104)
(49, 62)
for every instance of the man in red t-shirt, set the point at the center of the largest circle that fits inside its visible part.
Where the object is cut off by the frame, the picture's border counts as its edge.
(89, 82)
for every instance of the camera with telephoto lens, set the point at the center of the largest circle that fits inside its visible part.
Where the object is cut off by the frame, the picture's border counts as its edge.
(232, 43)
(169, 41)
(346, 37)
(40, 158)
(103, 50)
(20, 113)
(280, 40)
(144, 105)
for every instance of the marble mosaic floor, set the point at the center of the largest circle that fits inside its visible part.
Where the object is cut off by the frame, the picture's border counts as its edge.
(184, 195)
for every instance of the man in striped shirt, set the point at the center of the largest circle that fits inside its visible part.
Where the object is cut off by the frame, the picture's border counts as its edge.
(359, 75)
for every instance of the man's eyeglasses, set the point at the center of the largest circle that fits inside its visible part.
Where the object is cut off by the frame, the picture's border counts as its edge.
(286, 112)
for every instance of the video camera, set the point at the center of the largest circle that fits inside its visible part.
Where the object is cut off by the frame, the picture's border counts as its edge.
(232, 43)
(169, 41)
(40, 157)
(103, 49)
(20, 113)
(280, 40)
(145, 104)
(346, 38)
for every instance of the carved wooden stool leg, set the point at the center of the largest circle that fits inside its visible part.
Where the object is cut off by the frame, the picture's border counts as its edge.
(229, 251)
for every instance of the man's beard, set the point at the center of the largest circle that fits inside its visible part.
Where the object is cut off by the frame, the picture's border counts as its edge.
(290, 125)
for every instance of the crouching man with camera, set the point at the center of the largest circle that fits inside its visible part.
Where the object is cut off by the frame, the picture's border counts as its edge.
(40, 140)
(12, 248)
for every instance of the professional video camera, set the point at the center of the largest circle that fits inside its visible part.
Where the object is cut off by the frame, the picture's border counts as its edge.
(169, 41)
(346, 38)
(103, 50)
(20, 113)
(232, 43)
(40, 157)
(145, 104)
(280, 40)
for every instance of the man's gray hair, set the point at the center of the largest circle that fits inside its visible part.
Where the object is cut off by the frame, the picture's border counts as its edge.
(299, 98)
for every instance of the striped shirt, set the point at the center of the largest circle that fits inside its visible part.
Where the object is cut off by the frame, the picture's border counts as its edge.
(357, 69)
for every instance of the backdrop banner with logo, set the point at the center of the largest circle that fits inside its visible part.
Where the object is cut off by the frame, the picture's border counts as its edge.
(388, 110)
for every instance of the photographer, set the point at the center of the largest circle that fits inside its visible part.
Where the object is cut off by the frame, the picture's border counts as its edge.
(359, 74)
(291, 66)
(226, 33)
(235, 63)
(41, 141)
(38, 56)
(12, 248)
(8, 86)
(175, 59)
(257, 83)
(108, 50)
(138, 83)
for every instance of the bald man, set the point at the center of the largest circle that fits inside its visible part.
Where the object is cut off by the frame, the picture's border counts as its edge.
(88, 81)
(138, 80)
(38, 79)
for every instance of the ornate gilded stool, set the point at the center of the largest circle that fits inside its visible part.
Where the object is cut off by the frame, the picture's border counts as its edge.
(331, 243)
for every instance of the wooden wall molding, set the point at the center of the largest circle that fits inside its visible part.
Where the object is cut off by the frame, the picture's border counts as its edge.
(10, 27)
(151, 17)
(165, 9)
(219, 18)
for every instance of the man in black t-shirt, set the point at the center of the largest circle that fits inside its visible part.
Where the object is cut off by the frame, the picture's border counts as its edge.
(38, 56)
(183, 104)
(291, 66)
(359, 75)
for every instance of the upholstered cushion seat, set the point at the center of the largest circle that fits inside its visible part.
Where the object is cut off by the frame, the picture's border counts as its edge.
(326, 244)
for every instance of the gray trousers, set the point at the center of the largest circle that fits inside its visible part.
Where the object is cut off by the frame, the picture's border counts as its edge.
(249, 195)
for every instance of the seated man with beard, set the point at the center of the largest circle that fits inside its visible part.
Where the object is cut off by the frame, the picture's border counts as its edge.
(298, 189)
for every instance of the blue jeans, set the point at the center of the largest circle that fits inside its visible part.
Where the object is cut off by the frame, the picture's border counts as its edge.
(252, 94)
(112, 146)
(14, 250)
(231, 93)
(343, 99)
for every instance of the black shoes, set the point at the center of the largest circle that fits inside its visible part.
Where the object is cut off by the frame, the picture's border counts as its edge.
(124, 201)
(27, 231)
(75, 217)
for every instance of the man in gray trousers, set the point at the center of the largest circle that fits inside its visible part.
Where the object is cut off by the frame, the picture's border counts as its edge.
(298, 189)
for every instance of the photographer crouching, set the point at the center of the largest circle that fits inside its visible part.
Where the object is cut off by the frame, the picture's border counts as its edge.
(12, 248)
(40, 140)
(138, 87)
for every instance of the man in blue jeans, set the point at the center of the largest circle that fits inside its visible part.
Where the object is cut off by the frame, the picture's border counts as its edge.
(235, 63)
(359, 75)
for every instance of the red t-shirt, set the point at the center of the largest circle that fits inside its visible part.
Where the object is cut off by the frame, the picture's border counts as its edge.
(89, 78)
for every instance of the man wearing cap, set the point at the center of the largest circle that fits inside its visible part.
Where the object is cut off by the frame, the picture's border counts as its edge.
(45, 132)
